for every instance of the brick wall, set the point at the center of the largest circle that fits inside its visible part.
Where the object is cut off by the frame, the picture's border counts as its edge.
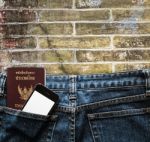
(75, 36)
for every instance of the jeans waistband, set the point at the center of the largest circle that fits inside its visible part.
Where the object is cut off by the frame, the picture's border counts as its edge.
(103, 80)
(72, 85)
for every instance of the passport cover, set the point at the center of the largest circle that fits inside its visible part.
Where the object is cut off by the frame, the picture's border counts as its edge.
(20, 84)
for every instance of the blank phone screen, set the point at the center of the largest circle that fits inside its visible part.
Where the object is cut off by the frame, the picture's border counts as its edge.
(38, 104)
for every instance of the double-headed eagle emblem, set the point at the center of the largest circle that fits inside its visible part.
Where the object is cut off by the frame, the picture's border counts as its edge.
(25, 92)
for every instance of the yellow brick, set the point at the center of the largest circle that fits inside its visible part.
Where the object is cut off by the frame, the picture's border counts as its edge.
(78, 68)
(131, 15)
(42, 56)
(128, 55)
(74, 42)
(112, 28)
(131, 66)
(74, 15)
(132, 42)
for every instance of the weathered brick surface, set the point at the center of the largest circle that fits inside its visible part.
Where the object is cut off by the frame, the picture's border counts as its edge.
(38, 3)
(52, 29)
(37, 29)
(55, 3)
(21, 3)
(14, 29)
(70, 68)
(111, 3)
(78, 68)
(111, 28)
(74, 15)
(1, 22)
(70, 42)
(18, 16)
(2, 16)
(4, 58)
(131, 15)
(129, 55)
(131, 66)
(113, 35)
(41, 56)
(10, 43)
(132, 42)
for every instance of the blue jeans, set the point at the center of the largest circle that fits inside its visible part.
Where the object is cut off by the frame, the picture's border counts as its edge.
(92, 108)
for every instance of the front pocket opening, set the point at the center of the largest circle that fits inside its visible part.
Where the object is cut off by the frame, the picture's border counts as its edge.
(20, 113)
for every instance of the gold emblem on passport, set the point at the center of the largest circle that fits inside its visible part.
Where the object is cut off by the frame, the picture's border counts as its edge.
(25, 92)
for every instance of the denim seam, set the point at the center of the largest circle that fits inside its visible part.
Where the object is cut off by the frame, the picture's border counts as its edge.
(112, 102)
(128, 112)
(72, 101)
(59, 89)
(115, 87)
(72, 127)
(52, 133)
(91, 129)
(95, 89)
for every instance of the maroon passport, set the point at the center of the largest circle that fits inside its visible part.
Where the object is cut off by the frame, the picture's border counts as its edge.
(20, 84)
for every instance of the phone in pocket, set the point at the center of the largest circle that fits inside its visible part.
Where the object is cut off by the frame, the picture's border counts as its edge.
(42, 101)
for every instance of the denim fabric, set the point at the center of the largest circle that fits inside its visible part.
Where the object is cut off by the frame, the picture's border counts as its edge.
(92, 108)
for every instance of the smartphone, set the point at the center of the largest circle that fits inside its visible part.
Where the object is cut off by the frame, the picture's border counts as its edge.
(42, 101)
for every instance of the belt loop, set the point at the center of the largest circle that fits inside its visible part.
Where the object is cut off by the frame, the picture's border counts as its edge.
(147, 81)
(72, 82)
(3, 83)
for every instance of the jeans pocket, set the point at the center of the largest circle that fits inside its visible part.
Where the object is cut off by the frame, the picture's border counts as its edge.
(18, 126)
(132, 125)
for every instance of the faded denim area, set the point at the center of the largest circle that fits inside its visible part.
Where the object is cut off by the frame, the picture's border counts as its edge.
(92, 108)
